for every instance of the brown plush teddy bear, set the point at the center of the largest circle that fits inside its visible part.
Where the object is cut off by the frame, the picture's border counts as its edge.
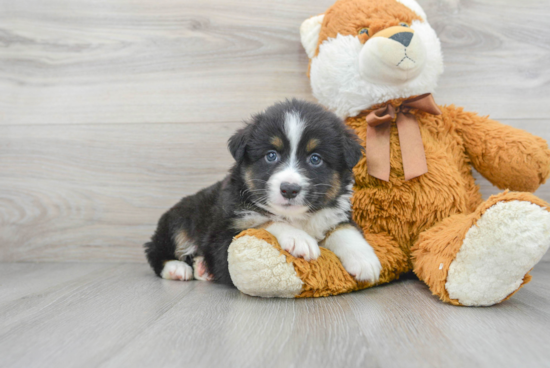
(375, 63)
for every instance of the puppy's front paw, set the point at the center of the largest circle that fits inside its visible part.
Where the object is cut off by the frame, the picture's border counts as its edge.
(299, 244)
(363, 266)
(177, 270)
(356, 255)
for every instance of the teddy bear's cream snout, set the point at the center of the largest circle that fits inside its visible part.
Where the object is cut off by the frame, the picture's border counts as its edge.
(394, 55)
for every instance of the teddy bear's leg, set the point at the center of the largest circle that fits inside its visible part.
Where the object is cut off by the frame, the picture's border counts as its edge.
(393, 259)
(260, 267)
(483, 258)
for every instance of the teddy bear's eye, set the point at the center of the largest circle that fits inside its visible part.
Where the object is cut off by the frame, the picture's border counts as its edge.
(403, 24)
(364, 31)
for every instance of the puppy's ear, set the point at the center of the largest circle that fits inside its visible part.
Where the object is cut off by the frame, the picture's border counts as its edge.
(237, 143)
(309, 34)
(353, 151)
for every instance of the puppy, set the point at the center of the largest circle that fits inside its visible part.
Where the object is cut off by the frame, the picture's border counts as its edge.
(292, 176)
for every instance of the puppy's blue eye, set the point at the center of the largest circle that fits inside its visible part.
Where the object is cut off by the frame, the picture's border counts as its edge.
(271, 156)
(403, 24)
(315, 160)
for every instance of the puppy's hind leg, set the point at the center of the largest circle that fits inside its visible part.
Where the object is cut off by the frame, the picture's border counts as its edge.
(177, 270)
(200, 271)
(166, 251)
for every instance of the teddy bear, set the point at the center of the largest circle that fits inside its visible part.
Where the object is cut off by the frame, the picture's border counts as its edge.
(375, 63)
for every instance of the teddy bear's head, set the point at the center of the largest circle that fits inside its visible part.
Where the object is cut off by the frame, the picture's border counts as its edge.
(365, 52)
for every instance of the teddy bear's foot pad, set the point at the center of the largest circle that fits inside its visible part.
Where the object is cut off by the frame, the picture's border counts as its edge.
(258, 269)
(497, 253)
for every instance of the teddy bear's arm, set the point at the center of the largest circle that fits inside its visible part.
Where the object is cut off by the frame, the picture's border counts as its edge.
(508, 157)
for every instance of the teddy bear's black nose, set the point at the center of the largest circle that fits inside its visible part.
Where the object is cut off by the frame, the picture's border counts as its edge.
(403, 38)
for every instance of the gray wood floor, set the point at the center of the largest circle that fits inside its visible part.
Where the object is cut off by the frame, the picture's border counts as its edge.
(120, 315)
(110, 111)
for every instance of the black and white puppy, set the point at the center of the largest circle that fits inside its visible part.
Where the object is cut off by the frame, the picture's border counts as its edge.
(293, 176)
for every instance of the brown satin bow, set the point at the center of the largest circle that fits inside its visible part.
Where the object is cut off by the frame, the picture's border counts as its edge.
(412, 149)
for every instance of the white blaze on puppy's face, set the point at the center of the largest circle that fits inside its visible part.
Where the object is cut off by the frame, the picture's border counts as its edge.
(289, 172)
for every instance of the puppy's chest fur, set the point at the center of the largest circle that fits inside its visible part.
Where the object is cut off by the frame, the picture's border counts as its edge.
(316, 224)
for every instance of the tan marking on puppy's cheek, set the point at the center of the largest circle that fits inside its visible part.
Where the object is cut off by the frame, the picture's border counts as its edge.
(312, 144)
(277, 142)
(335, 185)
(248, 178)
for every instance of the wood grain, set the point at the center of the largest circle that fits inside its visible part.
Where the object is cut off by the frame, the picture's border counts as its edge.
(85, 192)
(110, 111)
(113, 315)
(84, 318)
(95, 192)
(126, 61)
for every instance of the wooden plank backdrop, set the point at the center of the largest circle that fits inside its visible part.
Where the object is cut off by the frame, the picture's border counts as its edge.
(112, 110)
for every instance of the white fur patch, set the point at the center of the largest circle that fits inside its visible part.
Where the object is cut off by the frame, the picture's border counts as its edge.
(294, 128)
(337, 83)
(319, 223)
(177, 270)
(258, 269)
(249, 219)
(309, 33)
(295, 241)
(289, 172)
(184, 246)
(497, 252)
(356, 255)
(322, 221)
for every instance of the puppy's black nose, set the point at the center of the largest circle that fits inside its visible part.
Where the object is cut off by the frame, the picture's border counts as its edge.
(403, 38)
(289, 190)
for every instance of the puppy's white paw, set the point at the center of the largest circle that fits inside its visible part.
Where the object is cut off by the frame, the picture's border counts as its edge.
(200, 270)
(356, 255)
(295, 241)
(362, 265)
(177, 270)
(299, 244)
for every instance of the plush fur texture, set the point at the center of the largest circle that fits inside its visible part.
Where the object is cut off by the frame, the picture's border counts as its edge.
(508, 233)
(437, 224)
(339, 56)
(436, 249)
(293, 175)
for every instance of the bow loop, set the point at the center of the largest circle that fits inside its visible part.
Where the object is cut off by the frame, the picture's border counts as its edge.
(412, 149)
(382, 115)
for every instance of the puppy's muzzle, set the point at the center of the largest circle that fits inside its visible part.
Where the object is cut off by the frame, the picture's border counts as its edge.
(290, 190)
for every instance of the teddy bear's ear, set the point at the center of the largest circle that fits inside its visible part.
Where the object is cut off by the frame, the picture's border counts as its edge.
(353, 151)
(309, 34)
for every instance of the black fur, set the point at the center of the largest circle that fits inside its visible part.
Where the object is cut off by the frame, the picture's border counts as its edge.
(208, 217)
